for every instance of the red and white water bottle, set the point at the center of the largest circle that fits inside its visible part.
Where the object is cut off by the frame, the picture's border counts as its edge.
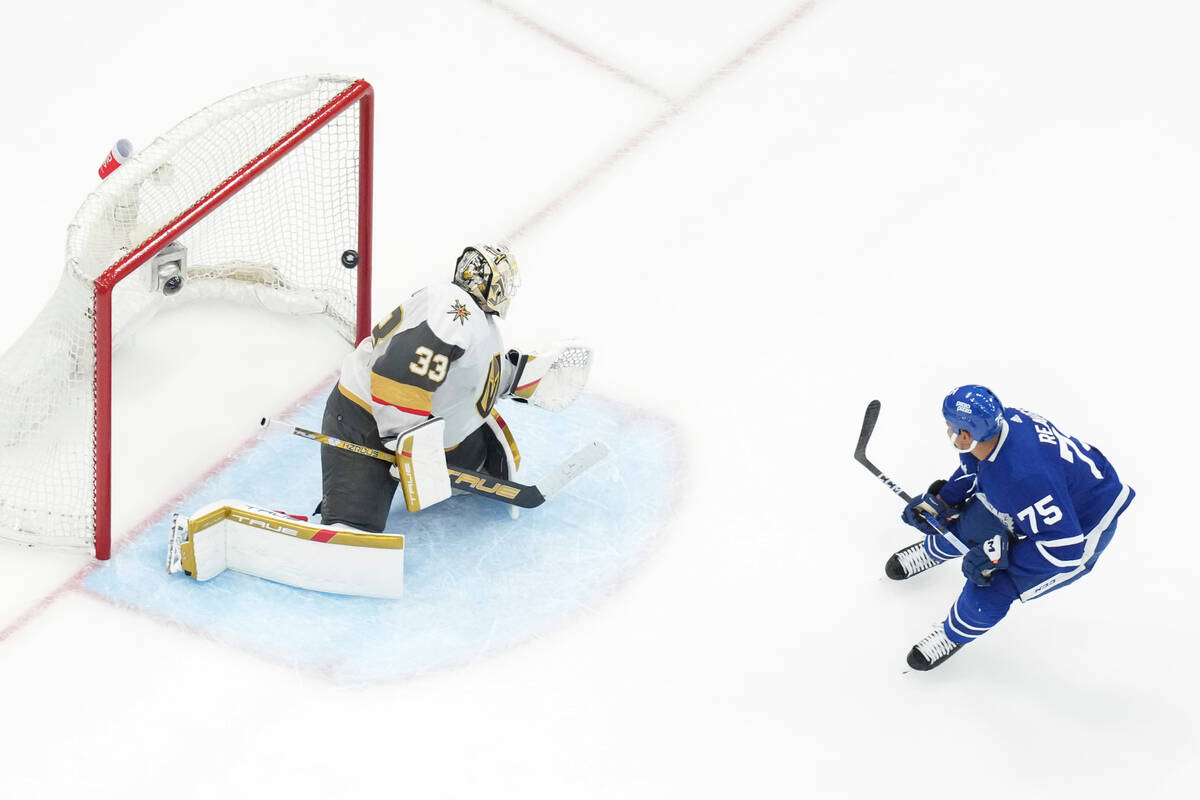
(120, 152)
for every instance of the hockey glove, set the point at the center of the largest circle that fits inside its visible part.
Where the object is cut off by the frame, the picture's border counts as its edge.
(550, 379)
(982, 560)
(920, 509)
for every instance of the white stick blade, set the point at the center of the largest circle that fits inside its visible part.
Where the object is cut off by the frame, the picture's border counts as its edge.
(576, 464)
(275, 426)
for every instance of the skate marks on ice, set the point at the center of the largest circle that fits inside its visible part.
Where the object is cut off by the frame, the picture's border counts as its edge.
(476, 581)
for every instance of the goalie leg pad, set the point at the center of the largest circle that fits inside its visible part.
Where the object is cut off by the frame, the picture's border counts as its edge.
(230, 534)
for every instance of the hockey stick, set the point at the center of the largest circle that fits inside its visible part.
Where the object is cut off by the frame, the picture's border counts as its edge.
(860, 455)
(511, 492)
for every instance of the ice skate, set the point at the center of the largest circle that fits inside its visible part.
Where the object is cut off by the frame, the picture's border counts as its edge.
(910, 561)
(932, 650)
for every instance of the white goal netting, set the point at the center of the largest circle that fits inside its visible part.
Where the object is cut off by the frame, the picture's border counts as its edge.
(275, 241)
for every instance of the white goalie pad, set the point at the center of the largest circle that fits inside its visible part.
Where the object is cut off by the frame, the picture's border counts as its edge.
(421, 464)
(230, 534)
(553, 379)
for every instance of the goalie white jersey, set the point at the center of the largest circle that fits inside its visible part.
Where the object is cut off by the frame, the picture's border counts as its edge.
(437, 354)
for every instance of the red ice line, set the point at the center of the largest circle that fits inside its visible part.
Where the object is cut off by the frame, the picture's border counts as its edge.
(76, 580)
(633, 143)
(662, 120)
(572, 47)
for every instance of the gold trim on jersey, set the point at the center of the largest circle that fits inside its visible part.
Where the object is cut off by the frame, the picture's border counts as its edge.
(403, 396)
(353, 398)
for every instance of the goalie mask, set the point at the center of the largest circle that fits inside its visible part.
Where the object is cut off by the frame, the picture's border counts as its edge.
(490, 275)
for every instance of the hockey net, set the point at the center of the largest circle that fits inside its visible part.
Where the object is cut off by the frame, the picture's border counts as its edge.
(263, 193)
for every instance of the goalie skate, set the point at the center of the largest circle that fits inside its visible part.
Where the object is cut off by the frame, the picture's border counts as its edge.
(179, 534)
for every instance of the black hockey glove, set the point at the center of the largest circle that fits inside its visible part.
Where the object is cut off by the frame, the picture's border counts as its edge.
(920, 509)
(982, 560)
(518, 360)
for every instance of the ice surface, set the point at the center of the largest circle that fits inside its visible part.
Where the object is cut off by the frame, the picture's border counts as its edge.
(792, 208)
(475, 580)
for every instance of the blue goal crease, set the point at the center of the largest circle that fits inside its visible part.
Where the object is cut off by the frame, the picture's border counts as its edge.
(475, 580)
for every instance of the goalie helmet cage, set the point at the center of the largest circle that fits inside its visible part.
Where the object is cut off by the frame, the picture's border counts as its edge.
(253, 199)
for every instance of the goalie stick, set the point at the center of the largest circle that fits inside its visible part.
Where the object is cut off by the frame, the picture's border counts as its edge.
(516, 494)
(860, 455)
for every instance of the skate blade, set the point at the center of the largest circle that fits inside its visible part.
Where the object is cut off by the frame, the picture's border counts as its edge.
(179, 534)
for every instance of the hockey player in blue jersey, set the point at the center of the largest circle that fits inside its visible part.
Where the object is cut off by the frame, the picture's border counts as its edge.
(1029, 509)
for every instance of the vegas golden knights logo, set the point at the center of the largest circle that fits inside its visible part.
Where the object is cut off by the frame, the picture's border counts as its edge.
(491, 388)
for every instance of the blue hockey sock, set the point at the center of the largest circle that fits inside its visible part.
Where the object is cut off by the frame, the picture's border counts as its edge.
(938, 548)
(979, 608)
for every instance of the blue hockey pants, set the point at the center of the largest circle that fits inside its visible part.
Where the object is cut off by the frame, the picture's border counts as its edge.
(979, 608)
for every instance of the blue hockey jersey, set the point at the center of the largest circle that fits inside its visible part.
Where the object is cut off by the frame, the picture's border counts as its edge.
(1060, 495)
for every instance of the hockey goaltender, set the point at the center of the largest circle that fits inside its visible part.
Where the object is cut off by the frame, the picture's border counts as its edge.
(414, 407)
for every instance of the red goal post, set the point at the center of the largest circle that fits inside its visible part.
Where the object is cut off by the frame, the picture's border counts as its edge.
(255, 198)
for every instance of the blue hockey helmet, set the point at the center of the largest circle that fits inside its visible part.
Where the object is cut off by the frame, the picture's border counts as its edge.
(974, 409)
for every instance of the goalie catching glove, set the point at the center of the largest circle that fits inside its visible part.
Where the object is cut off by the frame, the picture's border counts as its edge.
(420, 466)
(551, 379)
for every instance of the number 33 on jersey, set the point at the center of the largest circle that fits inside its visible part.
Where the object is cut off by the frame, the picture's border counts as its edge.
(439, 354)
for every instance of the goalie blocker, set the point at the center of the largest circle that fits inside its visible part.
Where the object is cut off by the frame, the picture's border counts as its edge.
(420, 464)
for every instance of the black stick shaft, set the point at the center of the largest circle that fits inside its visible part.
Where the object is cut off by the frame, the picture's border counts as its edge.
(511, 492)
(860, 451)
(860, 455)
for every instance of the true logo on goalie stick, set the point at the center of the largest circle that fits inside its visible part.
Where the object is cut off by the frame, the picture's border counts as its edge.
(460, 312)
(480, 484)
